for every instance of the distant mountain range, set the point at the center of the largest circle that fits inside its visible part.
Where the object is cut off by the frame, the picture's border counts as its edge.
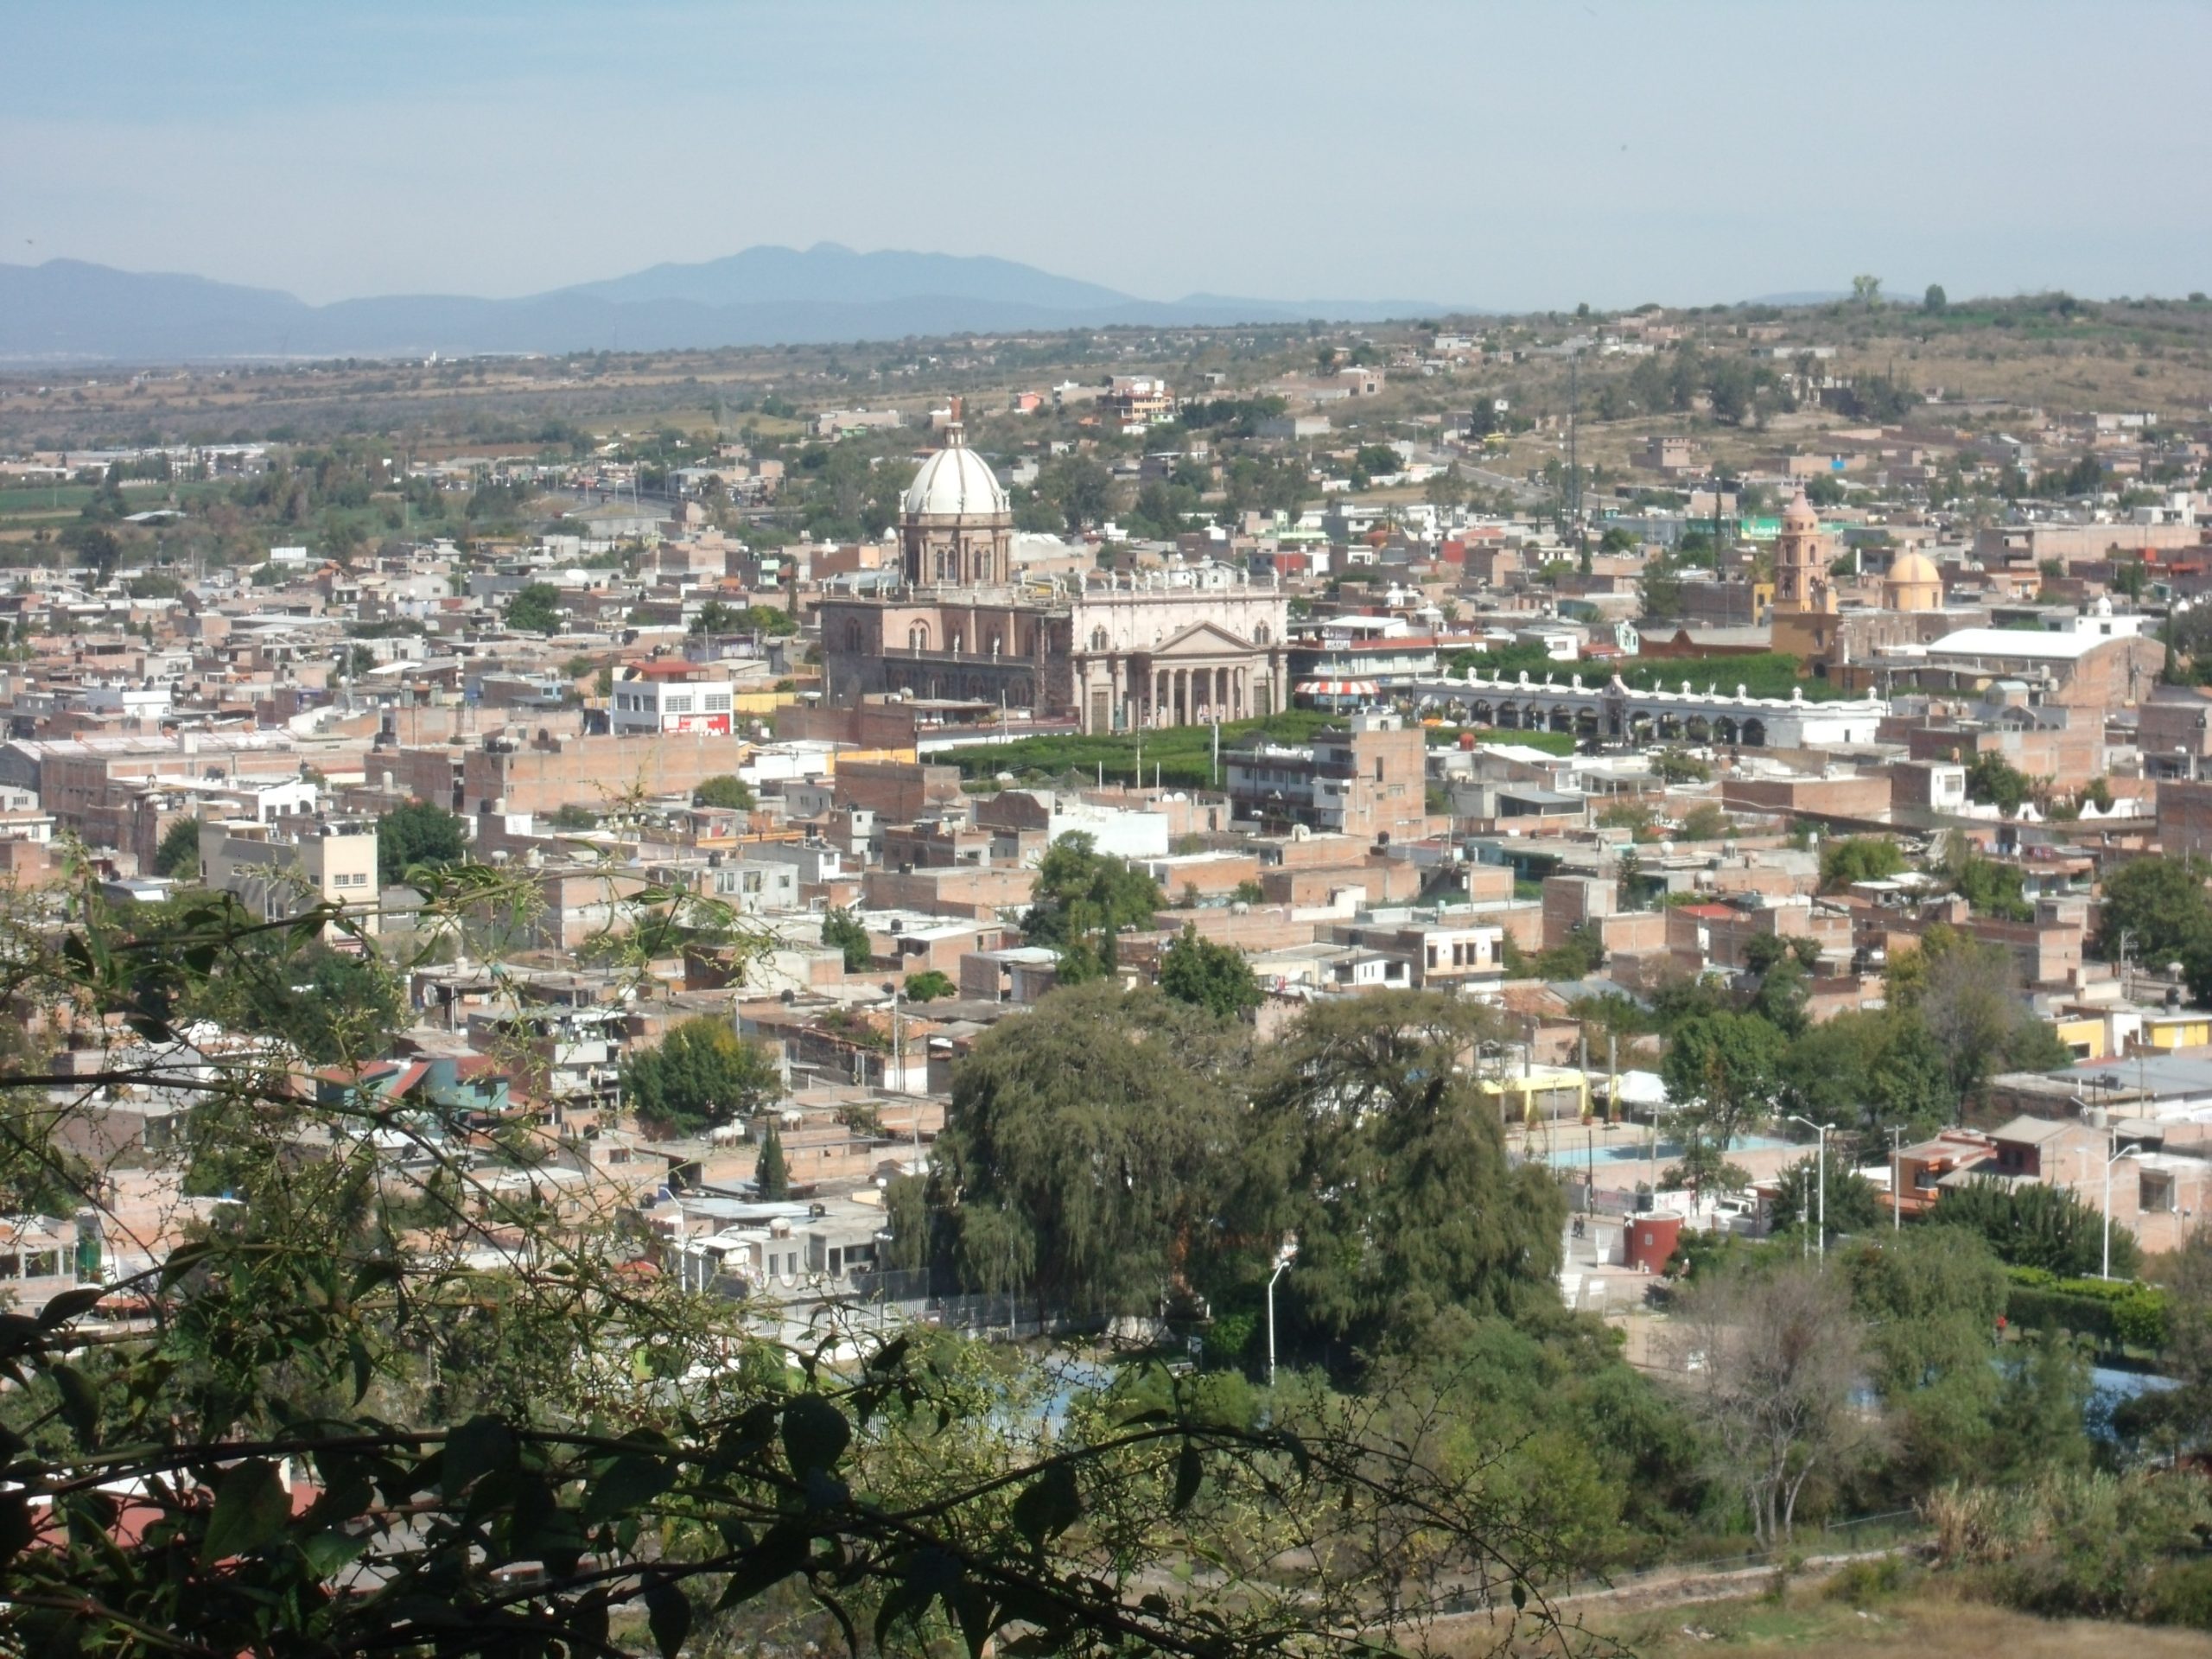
(66, 310)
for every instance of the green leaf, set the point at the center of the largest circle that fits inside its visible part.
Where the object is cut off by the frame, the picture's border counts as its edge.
(46, 1634)
(16, 1531)
(182, 1261)
(69, 1304)
(364, 1367)
(631, 1483)
(379, 1271)
(781, 1552)
(329, 1551)
(668, 1610)
(887, 1358)
(346, 1492)
(816, 1434)
(476, 1449)
(1190, 1470)
(18, 1332)
(929, 1572)
(80, 1404)
(977, 1614)
(251, 1507)
(1048, 1506)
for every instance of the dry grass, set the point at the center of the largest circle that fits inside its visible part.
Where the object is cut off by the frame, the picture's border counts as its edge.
(1807, 1625)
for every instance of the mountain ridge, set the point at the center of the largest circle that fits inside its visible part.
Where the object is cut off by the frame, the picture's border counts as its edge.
(66, 310)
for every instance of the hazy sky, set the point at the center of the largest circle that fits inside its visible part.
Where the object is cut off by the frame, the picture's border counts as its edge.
(1509, 155)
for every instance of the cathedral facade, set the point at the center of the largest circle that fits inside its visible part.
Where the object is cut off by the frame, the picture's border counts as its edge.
(1113, 652)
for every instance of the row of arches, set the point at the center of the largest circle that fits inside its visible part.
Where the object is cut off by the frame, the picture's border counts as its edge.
(1585, 720)
(921, 636)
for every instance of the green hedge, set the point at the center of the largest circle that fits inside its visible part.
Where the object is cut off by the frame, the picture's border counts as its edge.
(1182, 755)
(1447, 737)
(2121, 1313)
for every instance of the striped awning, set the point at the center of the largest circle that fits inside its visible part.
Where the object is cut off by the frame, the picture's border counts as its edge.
(1338, 689)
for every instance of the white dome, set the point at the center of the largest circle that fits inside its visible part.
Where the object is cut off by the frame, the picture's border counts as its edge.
(955, 481)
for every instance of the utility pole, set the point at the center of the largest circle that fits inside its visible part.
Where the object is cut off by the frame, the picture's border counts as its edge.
(1896, 1174)
(1574, 458)
(1822, 1165)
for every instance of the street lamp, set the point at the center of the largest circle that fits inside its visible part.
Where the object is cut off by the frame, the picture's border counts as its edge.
(2127, 1150)
(1285, 1254)
(1896, 1173)
(1822, 1131)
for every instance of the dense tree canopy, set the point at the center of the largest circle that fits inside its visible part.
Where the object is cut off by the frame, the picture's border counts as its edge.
(841, 928)
(931, 985)
(2030, 1225)
(1721, 1073)
(177, 853)
(1082, 900)
(1993, 781)
(702, 1074)
(1376, 1147)
(1869, 1072)
(1086, 1147)
(1858, 858)
(1216, 977)
(536, 608)
(1965, 994)
(725, 790)
(1992, 888)
(2159, 906)
(418, 833)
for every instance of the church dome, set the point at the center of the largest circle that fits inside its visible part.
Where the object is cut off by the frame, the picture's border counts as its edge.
(955, 483)
(1799, 514)
(1913, 584)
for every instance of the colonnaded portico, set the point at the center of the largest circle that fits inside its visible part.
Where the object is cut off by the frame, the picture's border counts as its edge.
(1618, 712)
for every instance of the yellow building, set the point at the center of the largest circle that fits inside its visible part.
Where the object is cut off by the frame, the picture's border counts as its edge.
(2083, 1035)
(1544, 1092)
(1913, 584)
(2172, 1031)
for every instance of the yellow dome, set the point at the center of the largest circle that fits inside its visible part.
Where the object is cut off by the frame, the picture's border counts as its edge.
(1913, 584)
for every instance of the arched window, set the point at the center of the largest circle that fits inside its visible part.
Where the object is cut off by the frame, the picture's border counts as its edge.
(917, 637)
(1260, 634)
(1098, 639)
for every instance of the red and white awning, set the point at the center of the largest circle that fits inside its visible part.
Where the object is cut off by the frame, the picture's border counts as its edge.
(1338, 689)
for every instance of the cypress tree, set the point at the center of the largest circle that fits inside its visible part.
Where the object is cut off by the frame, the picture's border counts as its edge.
(771, 1177)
